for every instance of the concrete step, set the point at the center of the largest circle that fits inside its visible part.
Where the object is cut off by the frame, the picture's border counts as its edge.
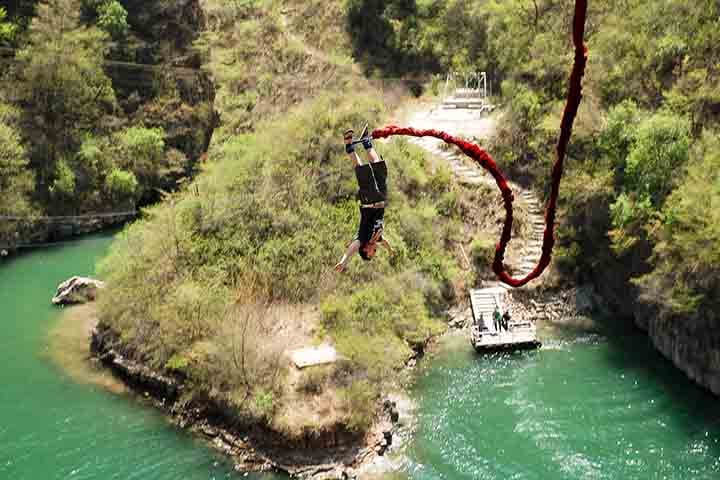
(484, 302)
(471, 181)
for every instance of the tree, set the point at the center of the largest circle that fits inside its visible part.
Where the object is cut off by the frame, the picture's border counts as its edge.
(658, 155)
(112, 17)
(63, 187)
(62, 85)
(16, 181)
(7, 29)
(620, 132)
(140, 150)
(686, 277)
(121, 185)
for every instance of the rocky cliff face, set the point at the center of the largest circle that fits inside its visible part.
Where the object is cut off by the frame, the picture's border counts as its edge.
(253, 446)
(692, 343)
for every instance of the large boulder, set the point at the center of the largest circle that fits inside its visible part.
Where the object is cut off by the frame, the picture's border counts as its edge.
(77, 290)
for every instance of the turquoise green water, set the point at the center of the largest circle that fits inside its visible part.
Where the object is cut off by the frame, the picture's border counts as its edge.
(588, 407)
(54, 428)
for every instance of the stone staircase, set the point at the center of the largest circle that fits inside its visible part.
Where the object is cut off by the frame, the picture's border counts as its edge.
(483, 301)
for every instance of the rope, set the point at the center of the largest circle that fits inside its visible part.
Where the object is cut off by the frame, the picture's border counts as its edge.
(485, 160)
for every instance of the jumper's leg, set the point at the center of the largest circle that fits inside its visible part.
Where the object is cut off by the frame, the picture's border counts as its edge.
(350, 149)
(372, 155)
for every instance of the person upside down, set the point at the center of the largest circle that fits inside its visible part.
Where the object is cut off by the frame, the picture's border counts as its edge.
(372, 192)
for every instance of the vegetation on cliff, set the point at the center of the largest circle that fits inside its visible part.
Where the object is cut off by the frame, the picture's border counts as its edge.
(635, 202)
(222, 278)
(641, 180)
(92, 135)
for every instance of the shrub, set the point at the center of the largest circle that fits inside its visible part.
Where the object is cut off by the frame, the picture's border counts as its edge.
(482, 252)
(63, 186)
(360, 401)
(7, 29)
(121, 185)
(375, 326)
(112, 17)
(659, 153)
(686, 276)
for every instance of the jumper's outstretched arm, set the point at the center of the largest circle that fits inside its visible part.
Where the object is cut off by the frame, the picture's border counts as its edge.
(349, 148)
(387, 245)
(372, 155)
(355, 159)
(352, 249)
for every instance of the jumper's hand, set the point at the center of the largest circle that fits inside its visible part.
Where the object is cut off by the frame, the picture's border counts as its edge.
(340, 267)
(387, 245)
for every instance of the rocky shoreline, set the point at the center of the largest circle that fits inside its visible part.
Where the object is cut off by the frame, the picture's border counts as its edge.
(40, 232)
(253, 447)
(569, 306)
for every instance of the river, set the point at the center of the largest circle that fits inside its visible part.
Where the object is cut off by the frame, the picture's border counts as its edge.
(52, 427)
(586, 406)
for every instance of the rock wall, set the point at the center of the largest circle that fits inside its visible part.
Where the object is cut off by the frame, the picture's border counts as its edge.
(42, 231)
(692, 343)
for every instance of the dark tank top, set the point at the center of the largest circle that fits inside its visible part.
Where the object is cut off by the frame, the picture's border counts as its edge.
(372, 182)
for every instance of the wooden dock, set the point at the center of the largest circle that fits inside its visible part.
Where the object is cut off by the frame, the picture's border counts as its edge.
(484, 337)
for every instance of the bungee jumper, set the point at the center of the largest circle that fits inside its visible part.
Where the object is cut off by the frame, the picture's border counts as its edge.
(372, 193)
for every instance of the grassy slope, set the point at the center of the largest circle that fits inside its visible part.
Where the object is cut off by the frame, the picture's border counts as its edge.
(220, 279)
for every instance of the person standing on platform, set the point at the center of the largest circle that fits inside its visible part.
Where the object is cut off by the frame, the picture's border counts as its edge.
(496, 319)
(506, 320)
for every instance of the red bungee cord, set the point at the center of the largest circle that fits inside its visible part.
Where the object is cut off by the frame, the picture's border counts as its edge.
(485, 160)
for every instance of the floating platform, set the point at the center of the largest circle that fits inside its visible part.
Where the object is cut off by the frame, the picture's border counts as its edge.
(484, 337)
(520, 336)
